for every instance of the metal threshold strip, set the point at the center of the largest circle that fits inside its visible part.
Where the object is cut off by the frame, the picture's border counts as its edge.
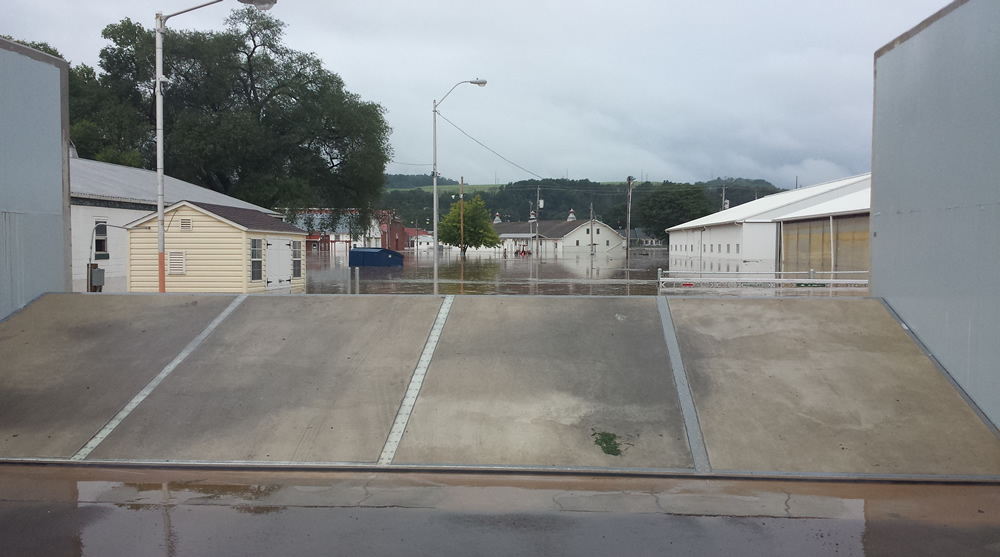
(610, 471)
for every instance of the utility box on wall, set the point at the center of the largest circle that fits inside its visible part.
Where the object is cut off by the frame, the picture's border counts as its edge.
(935, 207)
(34, 182)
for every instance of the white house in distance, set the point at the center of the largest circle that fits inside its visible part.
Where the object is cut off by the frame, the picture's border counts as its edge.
(216, 248)
(105, 197)
(748, 237)
(559, 238)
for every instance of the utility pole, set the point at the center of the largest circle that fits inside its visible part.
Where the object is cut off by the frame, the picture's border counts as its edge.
(725, 204)
(461, 216)
(628, 220)
(593, 250)
(538, 216)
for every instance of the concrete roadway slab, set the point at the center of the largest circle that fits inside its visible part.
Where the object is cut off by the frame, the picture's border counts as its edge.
(833, 386)
(70, 362)
(527, 381)
(285, 378)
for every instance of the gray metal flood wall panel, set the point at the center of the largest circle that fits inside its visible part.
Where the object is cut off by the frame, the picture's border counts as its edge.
(935, 213)
(34, 176)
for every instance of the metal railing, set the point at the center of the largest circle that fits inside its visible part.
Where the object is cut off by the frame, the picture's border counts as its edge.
(758, 279)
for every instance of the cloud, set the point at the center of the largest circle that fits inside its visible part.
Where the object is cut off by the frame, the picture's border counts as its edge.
(671, 89)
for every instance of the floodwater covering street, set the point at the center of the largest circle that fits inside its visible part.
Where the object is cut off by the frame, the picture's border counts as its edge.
(488, 272)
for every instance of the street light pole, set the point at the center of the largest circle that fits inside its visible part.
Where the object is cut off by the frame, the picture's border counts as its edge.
(481, 83)
(161, 22)
(628, 221)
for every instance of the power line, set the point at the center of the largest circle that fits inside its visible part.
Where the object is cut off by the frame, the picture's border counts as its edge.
(481, 144)
(411, 163)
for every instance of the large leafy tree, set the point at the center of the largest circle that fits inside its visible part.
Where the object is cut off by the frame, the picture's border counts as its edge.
(668, 206)
(478, 230)
(243, 115)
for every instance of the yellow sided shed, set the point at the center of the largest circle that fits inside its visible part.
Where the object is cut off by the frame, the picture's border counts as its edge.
(215, 248)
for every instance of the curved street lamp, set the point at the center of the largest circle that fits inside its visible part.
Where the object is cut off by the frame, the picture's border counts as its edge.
(161, 21)
(481, 83)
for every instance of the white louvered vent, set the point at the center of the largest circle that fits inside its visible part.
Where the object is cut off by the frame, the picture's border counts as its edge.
(186, 224)
(176, 263)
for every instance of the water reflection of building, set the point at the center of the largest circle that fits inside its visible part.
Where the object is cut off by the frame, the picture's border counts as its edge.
(823, 227)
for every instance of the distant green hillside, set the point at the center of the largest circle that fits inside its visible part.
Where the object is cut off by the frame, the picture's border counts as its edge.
(410, 181)
(455, 188)
(514, 201)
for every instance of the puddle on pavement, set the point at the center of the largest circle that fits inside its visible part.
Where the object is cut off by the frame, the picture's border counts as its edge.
(79, 512)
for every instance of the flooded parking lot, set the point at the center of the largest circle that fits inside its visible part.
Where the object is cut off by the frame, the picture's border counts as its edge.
(489, 273)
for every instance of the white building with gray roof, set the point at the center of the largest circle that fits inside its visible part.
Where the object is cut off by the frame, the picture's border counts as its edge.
(105, 197)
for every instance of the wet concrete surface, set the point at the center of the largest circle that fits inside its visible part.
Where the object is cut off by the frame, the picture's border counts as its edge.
(69, 362)
(285, 378)
(831, 386)
(787, 386)
(530, 381)
(76, 511)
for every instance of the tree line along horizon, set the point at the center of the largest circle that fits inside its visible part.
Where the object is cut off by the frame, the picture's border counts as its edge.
(248, 117)
(656, 206)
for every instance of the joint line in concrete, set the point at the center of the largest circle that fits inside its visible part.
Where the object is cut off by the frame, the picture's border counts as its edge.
(696, 442)
(148, 389)
(416, 381)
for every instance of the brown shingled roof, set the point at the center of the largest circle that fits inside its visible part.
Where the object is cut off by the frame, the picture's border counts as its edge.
(546, 228)
(249, 218)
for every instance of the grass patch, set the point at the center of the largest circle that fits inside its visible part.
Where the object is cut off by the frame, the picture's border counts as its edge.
(608, 442)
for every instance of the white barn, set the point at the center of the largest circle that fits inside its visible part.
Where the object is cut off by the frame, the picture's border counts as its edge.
(558, 238)
(747, 238)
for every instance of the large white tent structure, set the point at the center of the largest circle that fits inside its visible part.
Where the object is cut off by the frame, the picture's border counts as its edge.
(749, 238)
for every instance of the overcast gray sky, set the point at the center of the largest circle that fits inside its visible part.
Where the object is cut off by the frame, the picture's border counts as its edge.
(663, 90)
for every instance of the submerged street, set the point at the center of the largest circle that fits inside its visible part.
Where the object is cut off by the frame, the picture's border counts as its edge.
(488, 273)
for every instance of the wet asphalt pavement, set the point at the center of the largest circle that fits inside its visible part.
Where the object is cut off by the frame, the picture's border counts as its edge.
(87, 511)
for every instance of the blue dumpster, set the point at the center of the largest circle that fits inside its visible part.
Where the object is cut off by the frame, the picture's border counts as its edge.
(375, 257)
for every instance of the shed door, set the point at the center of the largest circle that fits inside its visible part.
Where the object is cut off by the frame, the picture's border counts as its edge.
(278, 262)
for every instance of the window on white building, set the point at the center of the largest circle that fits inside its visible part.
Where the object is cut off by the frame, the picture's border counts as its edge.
(101, 239)
(727, 247)
(737, 250)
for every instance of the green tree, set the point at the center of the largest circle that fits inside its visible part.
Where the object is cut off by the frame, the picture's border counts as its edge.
(670, 205)
(478, 228)
(243, 115)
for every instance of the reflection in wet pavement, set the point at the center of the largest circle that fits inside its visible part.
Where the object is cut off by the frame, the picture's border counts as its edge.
(489, 273)
(87, 511)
